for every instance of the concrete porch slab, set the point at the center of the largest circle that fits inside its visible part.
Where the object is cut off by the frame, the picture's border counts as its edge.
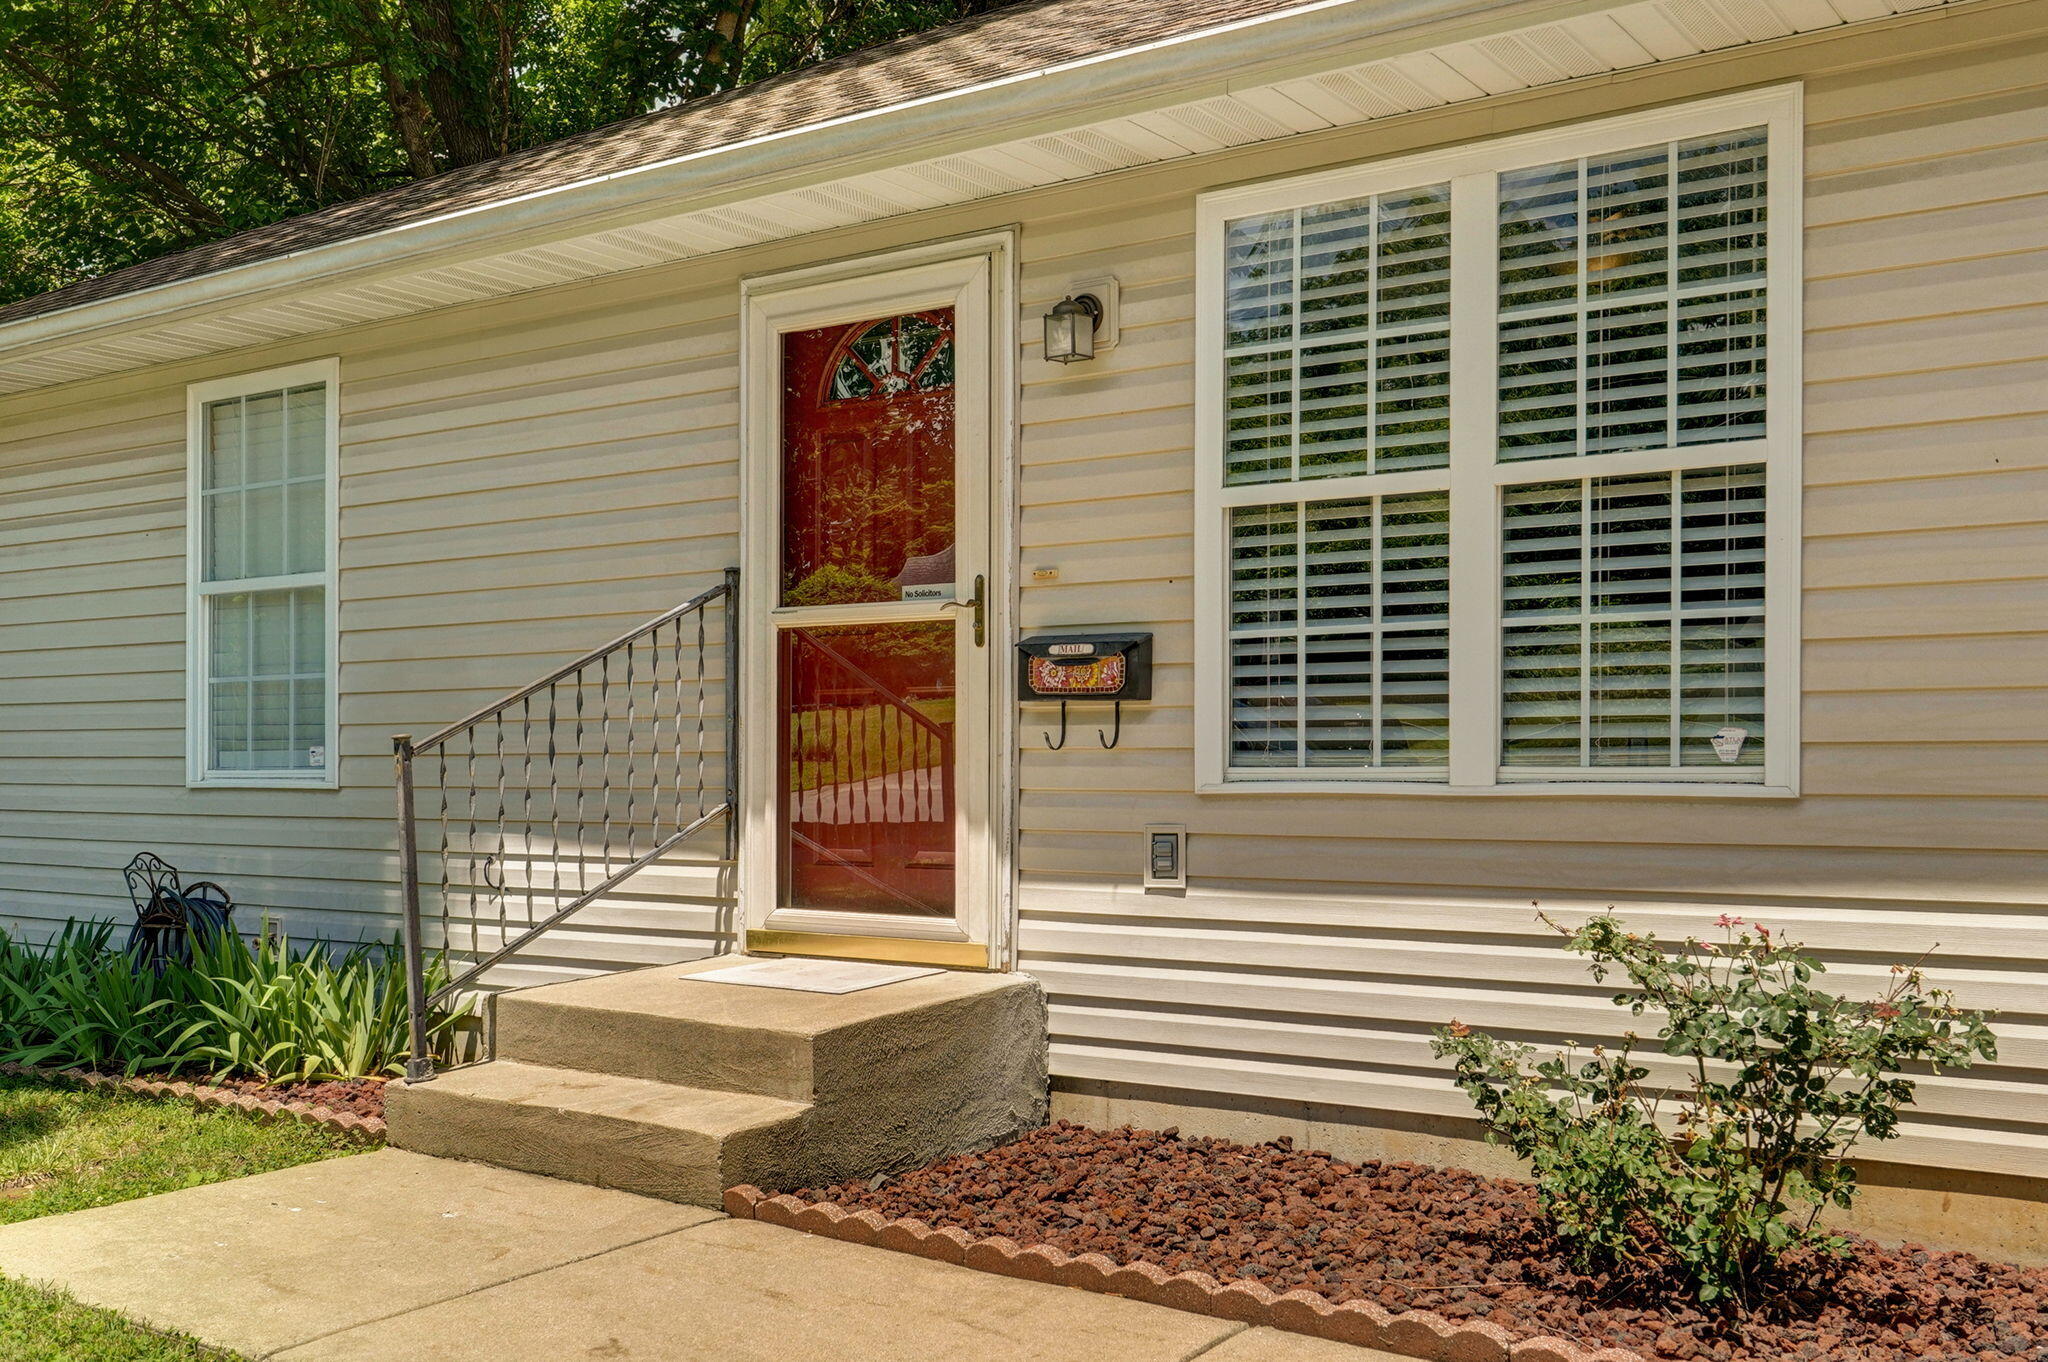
(661, 1024)
(741, 1291)
(267, 1262)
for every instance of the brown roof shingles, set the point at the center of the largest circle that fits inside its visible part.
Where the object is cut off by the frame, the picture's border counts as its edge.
(1006, 42)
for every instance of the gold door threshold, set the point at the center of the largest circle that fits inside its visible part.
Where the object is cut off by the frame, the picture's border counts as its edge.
(895, 950)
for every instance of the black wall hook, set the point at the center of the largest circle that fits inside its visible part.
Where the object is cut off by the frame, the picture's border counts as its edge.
(1117, 729)
(1056, 746)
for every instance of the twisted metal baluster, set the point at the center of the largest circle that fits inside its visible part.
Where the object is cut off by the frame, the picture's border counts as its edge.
(498, 889)
(700, 710)
(469, 847)
(604, 709)
(526, 799)
(582, 862)
(632, 718)
(441, 755)
(676, 649)
(654, 731)
(554, 807)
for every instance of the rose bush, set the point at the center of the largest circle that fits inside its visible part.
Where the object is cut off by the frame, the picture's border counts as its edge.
(1717, 1173)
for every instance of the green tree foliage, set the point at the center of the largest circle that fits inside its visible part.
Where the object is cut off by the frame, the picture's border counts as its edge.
(131, 128)
(1718, 1170)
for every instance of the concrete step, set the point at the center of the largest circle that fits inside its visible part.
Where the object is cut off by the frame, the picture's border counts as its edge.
(657, 1139)
(662, 1024)
(676, 1087)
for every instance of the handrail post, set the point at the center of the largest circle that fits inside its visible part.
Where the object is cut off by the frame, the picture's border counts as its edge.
(732, 714)
(419, 1064)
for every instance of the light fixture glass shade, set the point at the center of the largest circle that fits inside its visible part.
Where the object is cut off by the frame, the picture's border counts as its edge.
(1070, 331)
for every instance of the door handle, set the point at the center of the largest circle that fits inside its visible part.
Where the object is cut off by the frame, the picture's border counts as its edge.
(979, 605)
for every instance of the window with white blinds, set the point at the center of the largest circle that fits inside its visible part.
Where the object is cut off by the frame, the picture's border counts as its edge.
(1338, 347)
(1523, 386)
(1337, 366)
(262, 567)
(1339, 651)
(1632, 622)
(1632, 299)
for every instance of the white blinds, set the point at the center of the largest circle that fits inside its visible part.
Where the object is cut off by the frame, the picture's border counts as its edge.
(1614, 442)
(264, 485)
(267, 678)
(1337, 350)
(1339, 653)
(1632, 299)
(1633, 624)
(263, 516)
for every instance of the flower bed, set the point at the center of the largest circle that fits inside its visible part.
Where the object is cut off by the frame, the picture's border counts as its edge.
(1308, 1242)
(354, 1109)
(362, 1097)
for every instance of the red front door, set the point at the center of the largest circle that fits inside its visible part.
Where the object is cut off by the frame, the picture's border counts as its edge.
(866, 817)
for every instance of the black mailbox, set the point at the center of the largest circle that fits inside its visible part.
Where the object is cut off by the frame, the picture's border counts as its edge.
(1085, 667)
(1064, 667)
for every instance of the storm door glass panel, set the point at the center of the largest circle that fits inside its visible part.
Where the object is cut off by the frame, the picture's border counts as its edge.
(865, 805)
(868, 461)
(869, 517)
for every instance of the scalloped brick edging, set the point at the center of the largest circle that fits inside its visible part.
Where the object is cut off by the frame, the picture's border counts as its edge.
(367, 1129)
(1413, 1333)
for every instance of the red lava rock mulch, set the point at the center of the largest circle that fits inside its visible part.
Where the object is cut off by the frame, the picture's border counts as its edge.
(362, 1096)
(354, 1108)
(1406, 1237)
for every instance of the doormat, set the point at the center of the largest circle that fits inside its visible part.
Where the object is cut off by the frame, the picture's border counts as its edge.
(812, 976)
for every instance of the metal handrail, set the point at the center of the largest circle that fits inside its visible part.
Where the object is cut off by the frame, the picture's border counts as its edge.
(420, 1001)
(597, 654)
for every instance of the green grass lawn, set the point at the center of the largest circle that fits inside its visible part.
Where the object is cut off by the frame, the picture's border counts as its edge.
(46, 1326)
(65, 1150)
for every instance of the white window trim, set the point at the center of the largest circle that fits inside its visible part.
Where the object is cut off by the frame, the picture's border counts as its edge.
(198, 741)
(1475, 475)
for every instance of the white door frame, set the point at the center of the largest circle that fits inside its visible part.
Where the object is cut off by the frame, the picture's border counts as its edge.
(974, 277)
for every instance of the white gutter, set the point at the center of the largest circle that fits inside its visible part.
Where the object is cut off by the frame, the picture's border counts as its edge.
(1318, 32)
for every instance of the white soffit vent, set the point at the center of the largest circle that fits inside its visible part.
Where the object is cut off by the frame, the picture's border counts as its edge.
(1620, 39)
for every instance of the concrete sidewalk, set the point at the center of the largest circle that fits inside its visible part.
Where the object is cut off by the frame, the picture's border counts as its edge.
(394, 1257)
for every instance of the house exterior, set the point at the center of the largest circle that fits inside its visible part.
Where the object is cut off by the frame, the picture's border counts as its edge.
(1564, 455)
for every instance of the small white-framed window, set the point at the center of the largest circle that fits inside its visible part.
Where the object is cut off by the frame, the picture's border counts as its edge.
(260, 554)
(1497, 466)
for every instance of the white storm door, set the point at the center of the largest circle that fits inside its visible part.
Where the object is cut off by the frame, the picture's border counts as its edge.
(869, 790)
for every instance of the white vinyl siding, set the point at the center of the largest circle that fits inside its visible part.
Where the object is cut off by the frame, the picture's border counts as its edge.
(1620, 358)
(261, 704)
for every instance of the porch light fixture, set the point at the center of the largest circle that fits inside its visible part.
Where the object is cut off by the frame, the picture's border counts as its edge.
(1070, 328)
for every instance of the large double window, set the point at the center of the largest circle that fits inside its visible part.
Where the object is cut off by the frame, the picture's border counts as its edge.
(261, 564)
(1498, 474)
